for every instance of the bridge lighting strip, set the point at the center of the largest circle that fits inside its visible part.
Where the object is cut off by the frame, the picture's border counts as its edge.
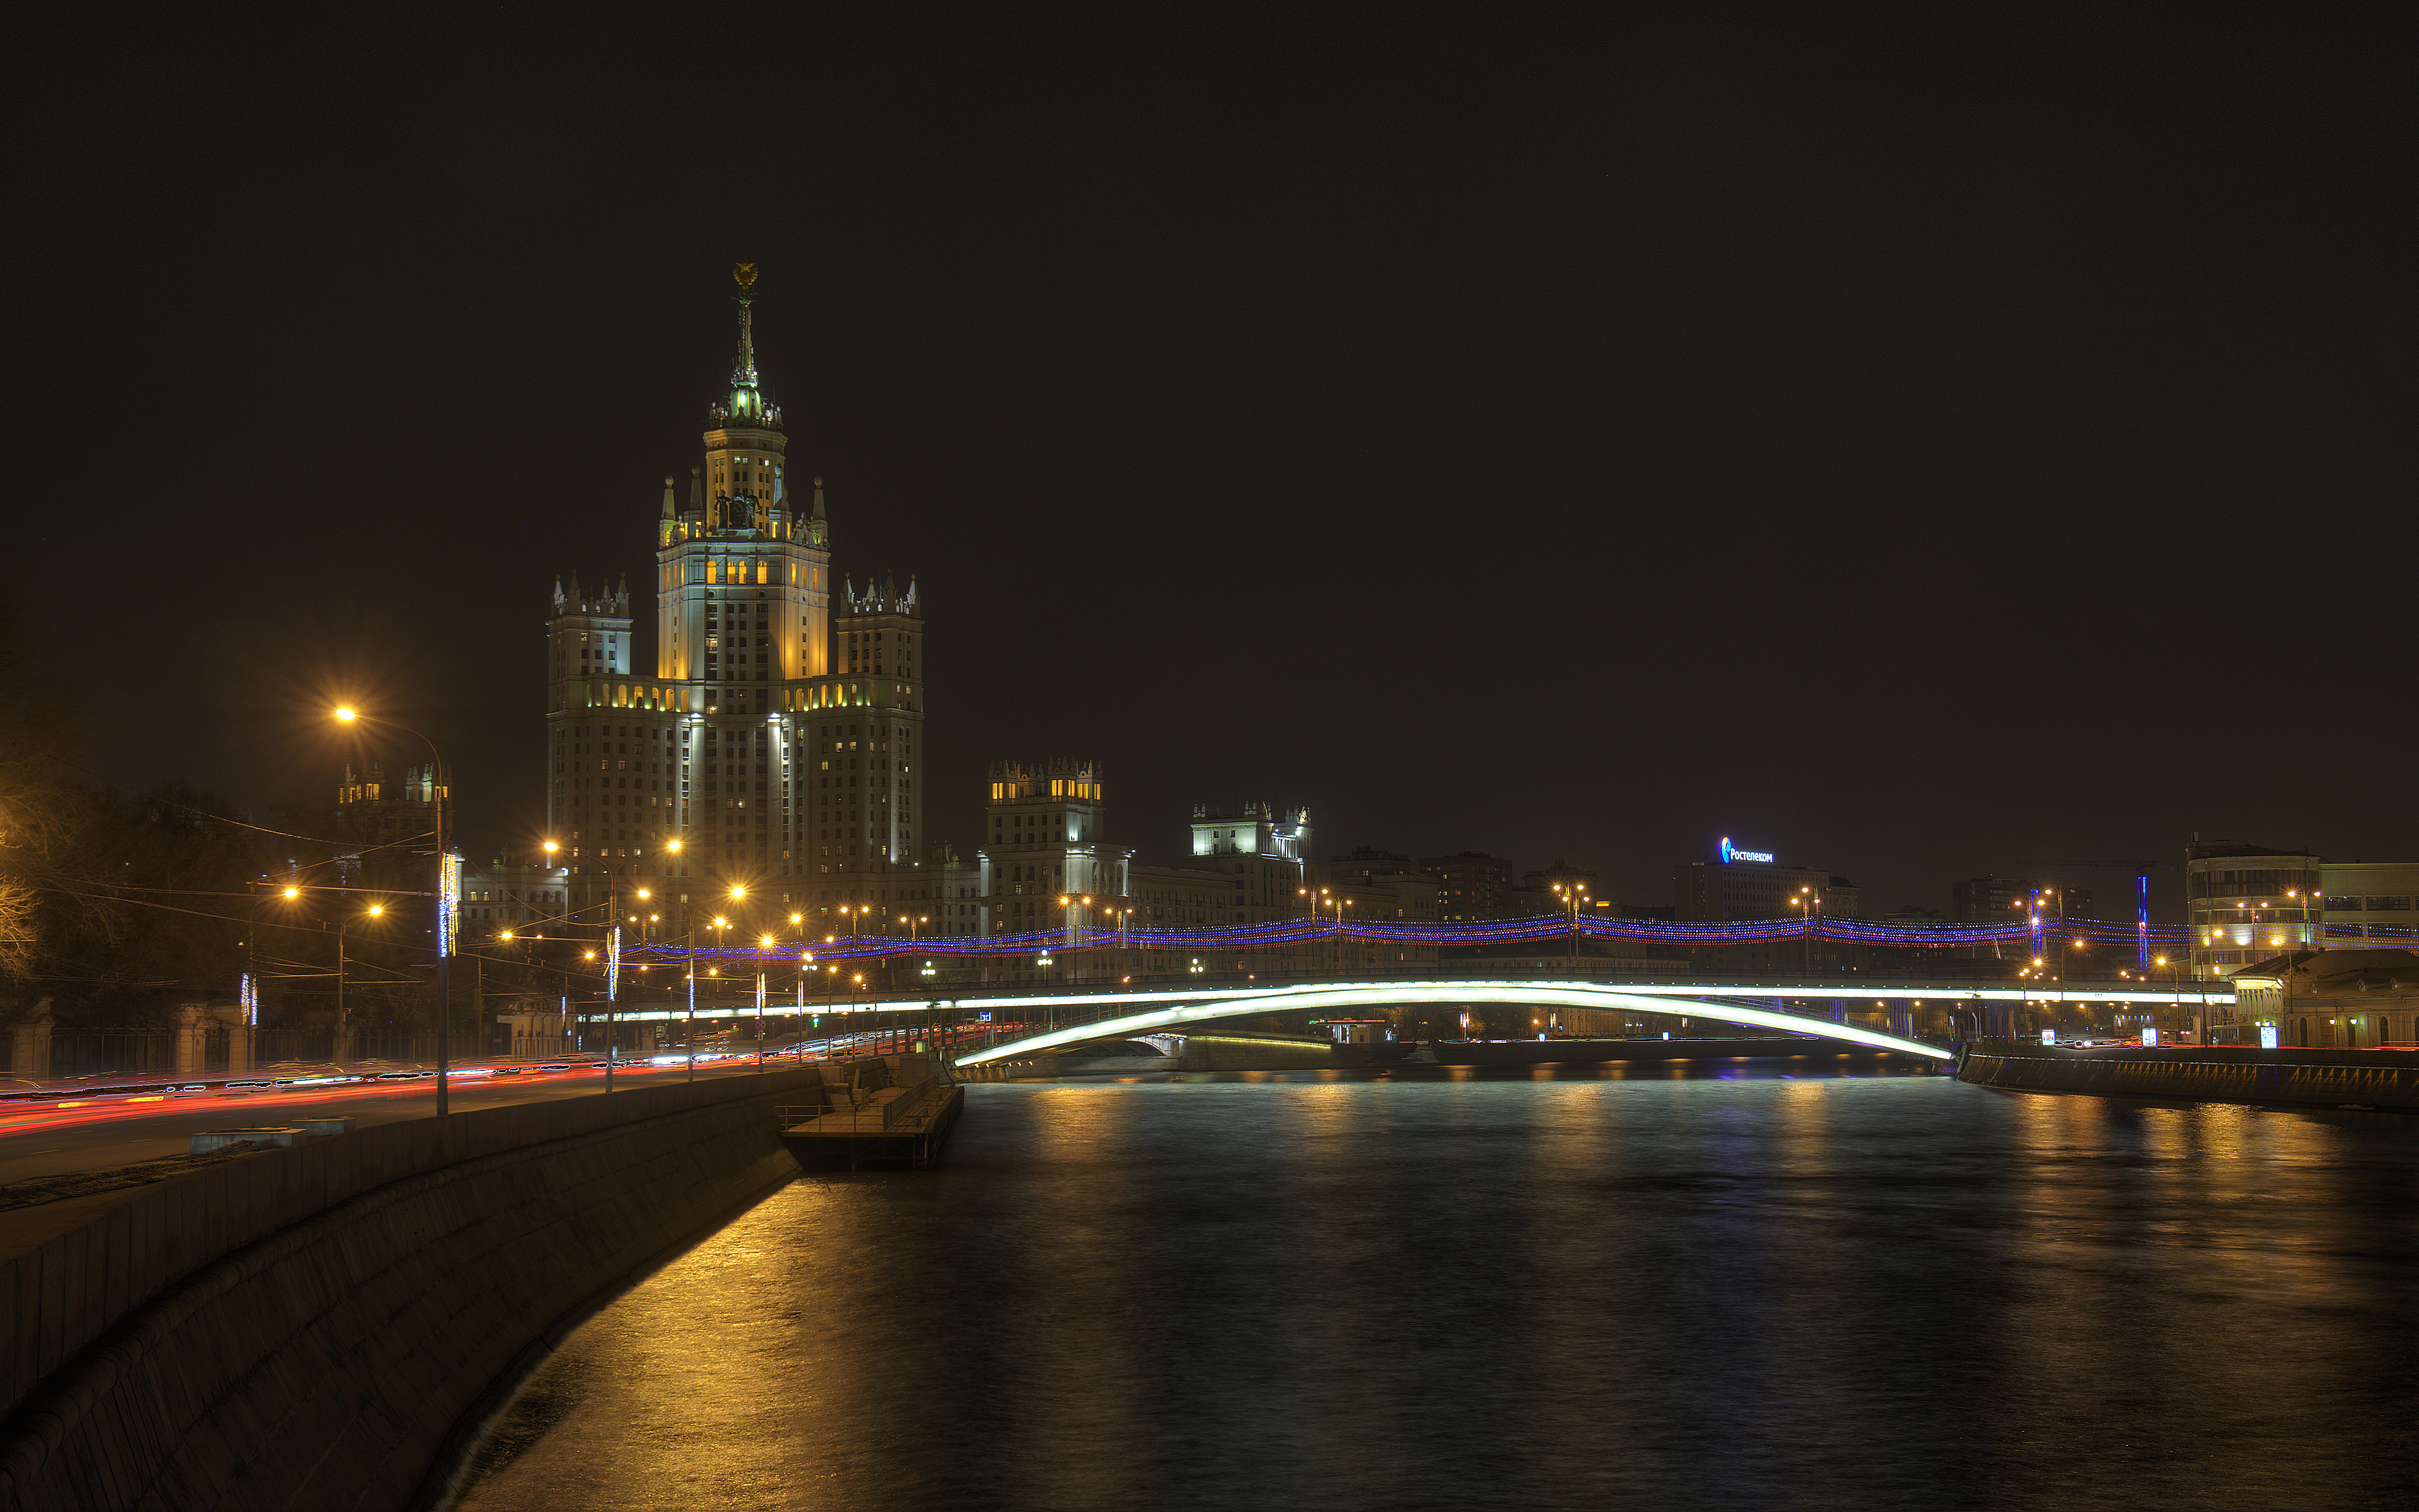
(1282, 997)
(1194, 1007)
(1542, 929)
(1395, 996)
(1315, 995)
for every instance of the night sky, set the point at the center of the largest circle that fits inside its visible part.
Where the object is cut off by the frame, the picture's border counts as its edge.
(1912, 442)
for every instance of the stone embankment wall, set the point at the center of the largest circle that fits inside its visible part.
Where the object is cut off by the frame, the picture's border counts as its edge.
(317, 1327)
(2385, 1079)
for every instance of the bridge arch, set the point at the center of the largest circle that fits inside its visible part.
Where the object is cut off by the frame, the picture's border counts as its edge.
(1335, 998)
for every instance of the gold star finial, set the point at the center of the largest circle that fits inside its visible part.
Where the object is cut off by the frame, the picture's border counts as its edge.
(744, 276)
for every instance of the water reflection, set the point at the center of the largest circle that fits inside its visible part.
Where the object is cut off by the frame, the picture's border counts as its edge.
(1465, 1288)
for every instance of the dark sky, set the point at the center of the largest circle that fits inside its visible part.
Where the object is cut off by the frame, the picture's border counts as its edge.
(1910, 440)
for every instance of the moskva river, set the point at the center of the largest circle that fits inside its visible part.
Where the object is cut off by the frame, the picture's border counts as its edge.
(1583, 1290)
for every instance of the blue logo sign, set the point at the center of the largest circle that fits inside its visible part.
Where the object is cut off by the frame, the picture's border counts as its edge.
(1731, 853)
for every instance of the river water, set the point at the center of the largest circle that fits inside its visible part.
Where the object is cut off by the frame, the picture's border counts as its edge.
(1572, 1288)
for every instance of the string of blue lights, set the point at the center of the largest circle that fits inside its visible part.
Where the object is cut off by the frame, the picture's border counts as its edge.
(2045, 936)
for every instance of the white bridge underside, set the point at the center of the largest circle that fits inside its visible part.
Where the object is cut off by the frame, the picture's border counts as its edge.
(1163, 1010)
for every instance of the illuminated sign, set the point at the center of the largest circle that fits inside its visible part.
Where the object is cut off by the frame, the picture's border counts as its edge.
(2049, 1036)
(1731, 853)
(2267, 1037)
(2150, 1034)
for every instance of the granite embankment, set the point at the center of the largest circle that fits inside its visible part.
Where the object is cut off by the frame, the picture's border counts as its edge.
(323, 1326)
(2382, 1079)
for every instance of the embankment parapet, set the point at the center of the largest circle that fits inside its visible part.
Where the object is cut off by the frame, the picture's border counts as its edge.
(305, 1327)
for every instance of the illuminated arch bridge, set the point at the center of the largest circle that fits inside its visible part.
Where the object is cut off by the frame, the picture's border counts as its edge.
(1125, 1014)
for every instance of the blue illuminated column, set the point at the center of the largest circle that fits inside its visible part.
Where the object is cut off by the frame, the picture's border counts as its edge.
(2142, 916)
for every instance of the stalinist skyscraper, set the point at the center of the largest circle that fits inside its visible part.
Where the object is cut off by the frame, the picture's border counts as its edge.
(778, 736)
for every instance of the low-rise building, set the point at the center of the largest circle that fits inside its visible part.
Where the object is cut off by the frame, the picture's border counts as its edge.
(2368, 900)
(2247, 903)
(515, 895)
(1474, 883)
(1736, 883)
(1992, 899)
(2351, 999)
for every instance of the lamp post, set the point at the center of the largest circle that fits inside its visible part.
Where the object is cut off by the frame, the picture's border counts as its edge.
(375, 911)
(719, 923)
(2307, 943)
(1572, 896)
(1812, 903)
(1073, 922)
(445, 901)
(252, 933)
(764, 947)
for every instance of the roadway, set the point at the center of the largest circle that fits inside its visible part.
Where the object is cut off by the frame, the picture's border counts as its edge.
(83, 1132)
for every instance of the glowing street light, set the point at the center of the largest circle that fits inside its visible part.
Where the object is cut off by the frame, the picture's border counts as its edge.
(445, 899)
(344, 1040)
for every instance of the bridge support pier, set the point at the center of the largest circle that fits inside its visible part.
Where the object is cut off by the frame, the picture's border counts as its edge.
(1902, 1019)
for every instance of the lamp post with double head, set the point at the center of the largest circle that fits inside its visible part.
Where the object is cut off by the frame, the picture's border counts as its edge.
(445, 903)
(1572, 895)
(1810, 904)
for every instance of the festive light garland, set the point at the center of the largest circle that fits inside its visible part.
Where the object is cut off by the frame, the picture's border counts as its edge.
(2052, 935)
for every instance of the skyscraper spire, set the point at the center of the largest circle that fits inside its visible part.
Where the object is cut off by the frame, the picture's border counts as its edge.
(747, 404)
(742, 372)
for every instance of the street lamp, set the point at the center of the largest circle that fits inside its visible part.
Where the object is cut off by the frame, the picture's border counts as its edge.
(1812, 901)
(445, 901)
(764, 945)
(2307, 943)
(1572, 897)
(374, 911)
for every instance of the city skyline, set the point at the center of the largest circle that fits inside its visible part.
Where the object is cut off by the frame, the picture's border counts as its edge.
(1635, 488)
(1208, 758)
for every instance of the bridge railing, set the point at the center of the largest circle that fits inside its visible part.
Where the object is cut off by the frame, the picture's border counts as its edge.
(1947, 987)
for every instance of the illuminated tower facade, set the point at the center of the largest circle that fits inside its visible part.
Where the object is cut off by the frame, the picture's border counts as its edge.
(757, 741)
